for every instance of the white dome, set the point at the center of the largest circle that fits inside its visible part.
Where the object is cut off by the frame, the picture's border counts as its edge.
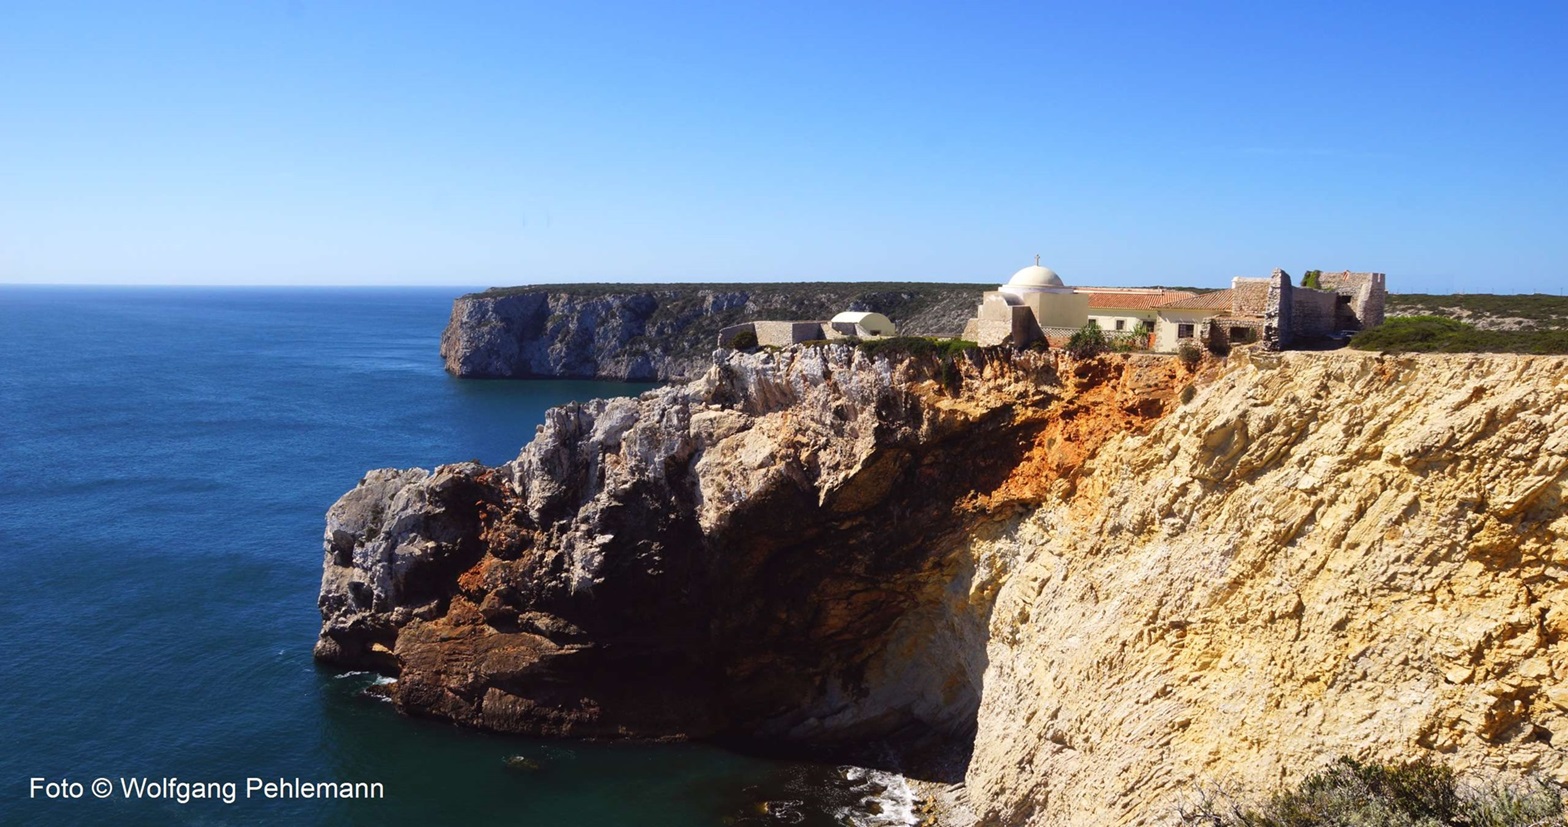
(1035, 276)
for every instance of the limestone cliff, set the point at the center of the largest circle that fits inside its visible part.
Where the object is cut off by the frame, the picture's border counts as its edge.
(1322, 554)
(658, 332)
(1109, 593)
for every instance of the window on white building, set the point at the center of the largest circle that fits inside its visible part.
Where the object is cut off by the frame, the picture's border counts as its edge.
(1184, 331)
(1121, 324)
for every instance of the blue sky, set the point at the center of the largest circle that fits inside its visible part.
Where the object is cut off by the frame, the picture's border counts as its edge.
(476, 144)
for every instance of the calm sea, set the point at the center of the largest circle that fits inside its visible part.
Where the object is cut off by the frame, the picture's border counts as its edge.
(166, 459)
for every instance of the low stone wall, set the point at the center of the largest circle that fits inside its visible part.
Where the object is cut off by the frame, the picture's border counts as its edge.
(1234, 331)
(1058, 336)
(728, 334)
(784, 334)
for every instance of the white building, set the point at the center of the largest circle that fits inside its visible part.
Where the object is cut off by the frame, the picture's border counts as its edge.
(1122, 310)
(860, 325)
(1033, 304)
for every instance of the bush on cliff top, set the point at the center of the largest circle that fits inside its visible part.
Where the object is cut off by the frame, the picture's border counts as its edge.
(1414, 794)
(1087, 342)
(914, 346)
(1438, 334)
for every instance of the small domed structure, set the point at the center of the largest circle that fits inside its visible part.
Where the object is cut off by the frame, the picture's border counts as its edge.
(1035, 276)
(864, 325)
(1033, 304)
(1032, 280)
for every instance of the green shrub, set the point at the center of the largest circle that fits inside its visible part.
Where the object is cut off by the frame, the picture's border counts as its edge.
(744, 340)
(1190, 355)
(1415, 794)
(953, 347)
(915, 346)
(1128, 341)
(1439, 334)
(1188, 393)
(1088, 342)
(897, 346)
(1312, 279)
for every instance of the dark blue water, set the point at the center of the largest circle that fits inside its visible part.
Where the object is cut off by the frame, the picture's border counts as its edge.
(166, 459)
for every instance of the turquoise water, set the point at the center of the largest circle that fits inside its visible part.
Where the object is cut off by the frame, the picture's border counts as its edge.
(167, 458)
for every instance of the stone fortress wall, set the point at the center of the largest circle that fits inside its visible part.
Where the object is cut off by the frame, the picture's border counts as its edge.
(1364, 294)
(1314, 310)
(1347, 302)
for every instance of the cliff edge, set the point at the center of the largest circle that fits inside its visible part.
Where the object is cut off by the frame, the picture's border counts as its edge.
(662, 331)
(1104, 594)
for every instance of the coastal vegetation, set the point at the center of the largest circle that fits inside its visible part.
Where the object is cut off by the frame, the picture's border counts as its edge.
(744, 340)
(1420, 793)
(1538, 310)
(1091, 340)
(915, 346)
(1087, 342)
(1440, 334)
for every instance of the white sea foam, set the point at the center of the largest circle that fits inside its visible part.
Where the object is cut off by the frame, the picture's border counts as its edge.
(381, 680)
(343, 675)
(887, 799)
(786, 811)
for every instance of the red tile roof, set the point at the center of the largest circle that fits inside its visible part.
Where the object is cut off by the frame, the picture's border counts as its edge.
(1135, 300)
(1217, 300)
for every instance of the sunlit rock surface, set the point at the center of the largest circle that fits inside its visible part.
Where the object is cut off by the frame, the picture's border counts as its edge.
(1107, 594)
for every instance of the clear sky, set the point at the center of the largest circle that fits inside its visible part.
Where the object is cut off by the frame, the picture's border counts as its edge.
(455, 143)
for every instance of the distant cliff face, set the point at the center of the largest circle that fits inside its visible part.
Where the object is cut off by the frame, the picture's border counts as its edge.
(657, 332)
(1110, 595)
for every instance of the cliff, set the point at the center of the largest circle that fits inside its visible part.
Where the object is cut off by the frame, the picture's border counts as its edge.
(1101, 593)
(658, 332)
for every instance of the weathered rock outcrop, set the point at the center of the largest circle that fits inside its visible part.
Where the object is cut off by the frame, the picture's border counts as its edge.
(733, 556)
(1322, 554)
(1111, 594)
(658, 332)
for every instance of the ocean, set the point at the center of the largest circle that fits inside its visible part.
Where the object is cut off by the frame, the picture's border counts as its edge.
(167, 458)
